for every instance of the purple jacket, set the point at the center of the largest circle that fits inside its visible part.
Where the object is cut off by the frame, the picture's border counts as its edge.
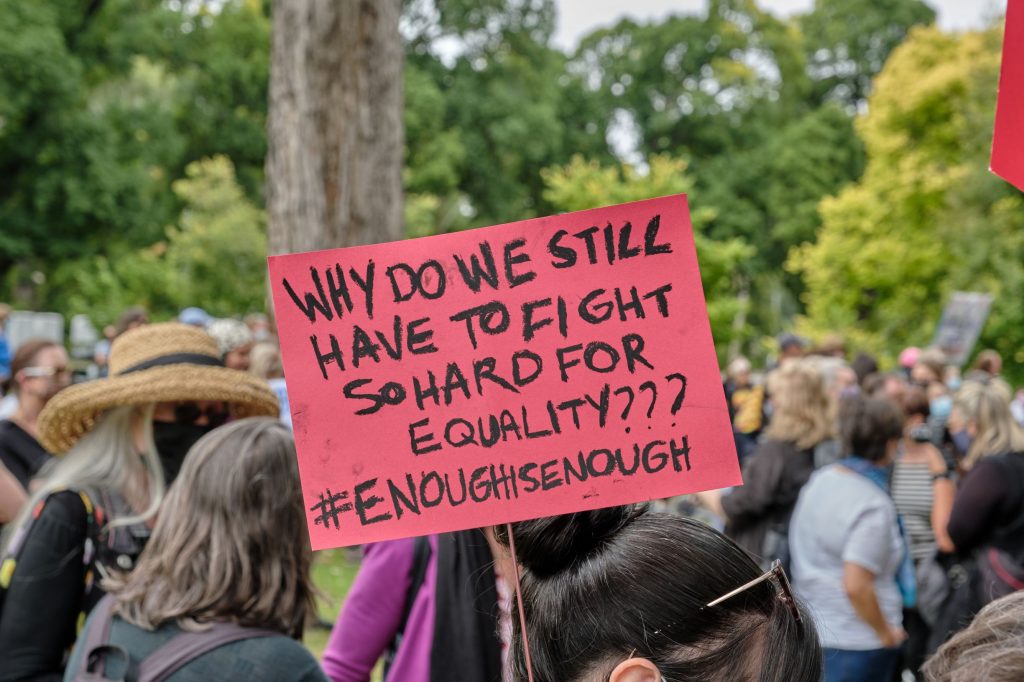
(373, 612)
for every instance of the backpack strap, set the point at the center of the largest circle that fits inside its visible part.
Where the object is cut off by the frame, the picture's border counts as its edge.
(97, 639)
(418, 573)
(12, 553)
(188, 646)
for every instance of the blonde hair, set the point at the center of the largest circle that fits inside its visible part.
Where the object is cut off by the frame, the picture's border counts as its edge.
(990, 648)
(265, 361)
(986, 404)
(801, 408)
(106, 458)
(231, 542)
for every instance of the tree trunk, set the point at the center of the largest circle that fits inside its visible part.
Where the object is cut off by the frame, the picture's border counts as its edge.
(335, 136)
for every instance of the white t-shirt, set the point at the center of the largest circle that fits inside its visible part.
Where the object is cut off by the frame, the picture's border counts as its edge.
(842, 517)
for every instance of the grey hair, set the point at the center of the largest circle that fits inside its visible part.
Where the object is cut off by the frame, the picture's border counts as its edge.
(990, 648)
(106, 457)
(231, 543)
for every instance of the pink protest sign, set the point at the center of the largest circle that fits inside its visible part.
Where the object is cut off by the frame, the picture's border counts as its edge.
(500, 374)
(1008, 140)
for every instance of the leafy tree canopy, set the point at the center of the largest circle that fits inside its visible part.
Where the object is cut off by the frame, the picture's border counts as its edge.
(215, 256)
(927, 218)
(105, 105)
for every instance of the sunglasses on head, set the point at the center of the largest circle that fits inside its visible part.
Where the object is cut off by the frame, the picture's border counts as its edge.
(190, 413)
(784, 592)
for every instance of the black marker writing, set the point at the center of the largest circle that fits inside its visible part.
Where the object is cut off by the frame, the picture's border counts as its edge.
(329, 510)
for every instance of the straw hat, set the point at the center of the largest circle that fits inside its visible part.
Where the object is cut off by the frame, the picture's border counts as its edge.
(165, 362)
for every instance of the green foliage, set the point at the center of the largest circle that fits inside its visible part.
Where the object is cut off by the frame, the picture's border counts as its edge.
(482, 125)
(585, 184)
(733, 91)
(102, 105)
(770, 192)
(80, 165)
(334, 571)
(214, 257)
(435, 158)
(927, 218)
(105, 106)
(848, 42)
(697, 86)
(225, 73)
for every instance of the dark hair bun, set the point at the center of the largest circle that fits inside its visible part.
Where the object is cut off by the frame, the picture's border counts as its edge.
(554, 544)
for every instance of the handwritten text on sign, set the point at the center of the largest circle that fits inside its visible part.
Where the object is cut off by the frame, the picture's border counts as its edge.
(494, 375)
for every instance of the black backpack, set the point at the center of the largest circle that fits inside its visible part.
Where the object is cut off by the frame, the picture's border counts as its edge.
(162, 663)
(103, 548)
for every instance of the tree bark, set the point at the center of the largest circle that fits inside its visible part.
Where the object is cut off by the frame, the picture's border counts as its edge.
(335, 135)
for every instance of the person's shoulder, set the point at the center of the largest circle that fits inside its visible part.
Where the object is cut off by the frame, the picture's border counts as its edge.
(276, 646)
(774, 447)
(825, 477)
(1007, 461)
(71, 507)
(869, 497)
(287, 658)
(997, 474)
(8, 431)
(390, 549)
(836, 477)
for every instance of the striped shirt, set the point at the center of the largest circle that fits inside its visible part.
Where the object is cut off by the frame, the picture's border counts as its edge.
(912, 493)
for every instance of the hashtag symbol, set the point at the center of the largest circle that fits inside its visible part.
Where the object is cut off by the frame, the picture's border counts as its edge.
(328, 509)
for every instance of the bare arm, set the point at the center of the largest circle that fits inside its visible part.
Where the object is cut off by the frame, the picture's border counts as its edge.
(943, 492)
(12, 496)
(859, 584)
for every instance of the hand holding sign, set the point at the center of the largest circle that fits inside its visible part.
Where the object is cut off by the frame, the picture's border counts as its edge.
(495, 375)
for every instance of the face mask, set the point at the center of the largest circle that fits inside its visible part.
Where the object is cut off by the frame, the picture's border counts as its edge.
(173, 441)
(940, 408)
(962, 441)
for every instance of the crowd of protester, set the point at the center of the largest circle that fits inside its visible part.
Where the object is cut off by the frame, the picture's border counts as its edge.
(153, 528)
(895, 500)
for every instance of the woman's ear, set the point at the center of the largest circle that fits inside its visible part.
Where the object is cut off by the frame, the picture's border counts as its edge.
(635, 670)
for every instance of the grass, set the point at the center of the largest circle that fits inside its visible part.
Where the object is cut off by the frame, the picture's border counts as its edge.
(333, 573)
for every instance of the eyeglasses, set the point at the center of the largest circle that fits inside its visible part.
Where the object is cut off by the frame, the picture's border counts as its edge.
(785, 589)
(190, 413)
(46, 371)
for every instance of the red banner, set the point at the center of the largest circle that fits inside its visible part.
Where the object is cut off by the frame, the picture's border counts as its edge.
(1008, 141)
